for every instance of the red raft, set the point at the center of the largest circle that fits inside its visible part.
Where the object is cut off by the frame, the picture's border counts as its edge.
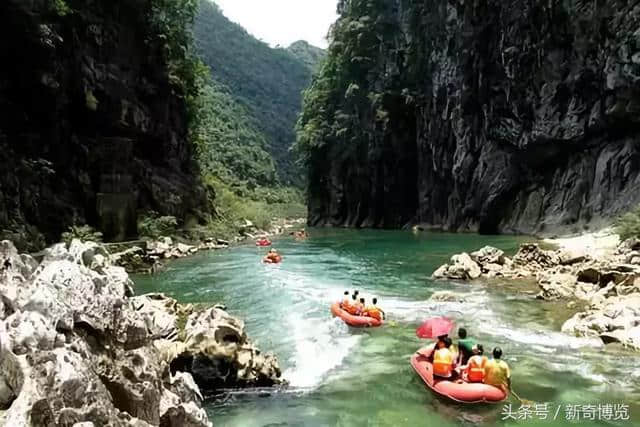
(263, 242)
(463, 392)
(351, 320)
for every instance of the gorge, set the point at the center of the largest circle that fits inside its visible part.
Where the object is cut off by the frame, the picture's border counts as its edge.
(489, 116)
(153, 151)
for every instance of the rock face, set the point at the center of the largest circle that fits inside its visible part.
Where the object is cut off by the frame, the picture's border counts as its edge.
(91, 127)
(77, 347)
(493, 116)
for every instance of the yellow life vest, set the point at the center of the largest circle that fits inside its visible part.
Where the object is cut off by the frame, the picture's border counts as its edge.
(496, 372)
(443, 362)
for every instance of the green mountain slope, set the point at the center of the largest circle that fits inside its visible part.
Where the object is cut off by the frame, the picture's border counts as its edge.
(230, 146)
(267, 81)
(310, 55)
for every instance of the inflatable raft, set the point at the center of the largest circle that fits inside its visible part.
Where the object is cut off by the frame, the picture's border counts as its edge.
(266, 260)
(263, 242)
(351, 320)
(463, 392)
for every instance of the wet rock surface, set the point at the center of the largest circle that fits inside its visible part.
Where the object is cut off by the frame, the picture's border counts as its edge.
(217, 352)
(77, 347)
(608, 285)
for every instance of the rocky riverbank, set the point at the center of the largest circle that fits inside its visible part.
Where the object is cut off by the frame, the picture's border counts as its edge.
(605, 278)
(76, 346)
(145, 257)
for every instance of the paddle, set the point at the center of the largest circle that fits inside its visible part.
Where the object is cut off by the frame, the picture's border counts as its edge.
(522, 401)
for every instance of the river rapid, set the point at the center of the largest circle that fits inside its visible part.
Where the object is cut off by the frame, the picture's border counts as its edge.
(348, 377)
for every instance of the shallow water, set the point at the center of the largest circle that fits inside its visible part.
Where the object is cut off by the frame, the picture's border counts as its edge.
(349, 377)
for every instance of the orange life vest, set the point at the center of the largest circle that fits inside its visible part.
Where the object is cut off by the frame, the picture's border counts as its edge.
(442, 362)
(351, 309)
(373, 312)
(475, 369)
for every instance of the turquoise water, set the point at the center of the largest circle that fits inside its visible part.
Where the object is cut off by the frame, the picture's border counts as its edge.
(349, 377)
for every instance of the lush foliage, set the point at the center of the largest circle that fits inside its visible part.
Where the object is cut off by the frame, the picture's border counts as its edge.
(228, 144)
(170, 21)
(310, 55)
(629, 225)
(60, 7)
(84, 233)
(260, 206)
(153, 225)
(266, 81)
(231, 143)
(343, 91)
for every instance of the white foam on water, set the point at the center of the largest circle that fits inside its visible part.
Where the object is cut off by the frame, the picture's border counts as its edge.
(319, 343)
(320, 346)
(418, 311)
(546, 338)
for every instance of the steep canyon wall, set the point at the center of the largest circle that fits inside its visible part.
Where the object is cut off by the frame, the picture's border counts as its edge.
(481, 115)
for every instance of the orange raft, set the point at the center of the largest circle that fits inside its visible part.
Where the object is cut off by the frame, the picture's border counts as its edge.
(460, 392)
(267, 260)
(351, 320)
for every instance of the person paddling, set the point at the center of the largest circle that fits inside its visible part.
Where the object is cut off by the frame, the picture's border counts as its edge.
(496, 371)
(360, 307)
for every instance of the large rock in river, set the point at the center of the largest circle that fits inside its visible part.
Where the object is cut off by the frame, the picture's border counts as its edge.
(218, 353)
(616, 319)
(461, 267)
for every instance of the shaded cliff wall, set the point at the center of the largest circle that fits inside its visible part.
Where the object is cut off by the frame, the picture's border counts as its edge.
(87, 108)
(502, 116)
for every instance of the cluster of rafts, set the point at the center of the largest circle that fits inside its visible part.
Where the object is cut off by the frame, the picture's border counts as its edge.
(422, 362)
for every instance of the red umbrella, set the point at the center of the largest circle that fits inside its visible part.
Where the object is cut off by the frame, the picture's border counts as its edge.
(435, 327)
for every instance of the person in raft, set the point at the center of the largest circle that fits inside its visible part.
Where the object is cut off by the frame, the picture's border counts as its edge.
(360, 307)
(473, 371)
(465, 346)
(441, 343)
(345, 301)
(374, 311)
(443, 358)
(496, 371)
(302, 234)
(272, 257)
(352, 307)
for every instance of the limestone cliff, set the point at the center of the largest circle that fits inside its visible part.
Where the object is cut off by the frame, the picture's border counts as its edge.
(487, 115)
(77, 348)
(91, 127)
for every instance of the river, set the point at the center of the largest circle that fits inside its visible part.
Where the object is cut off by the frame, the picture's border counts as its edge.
(347, 377)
